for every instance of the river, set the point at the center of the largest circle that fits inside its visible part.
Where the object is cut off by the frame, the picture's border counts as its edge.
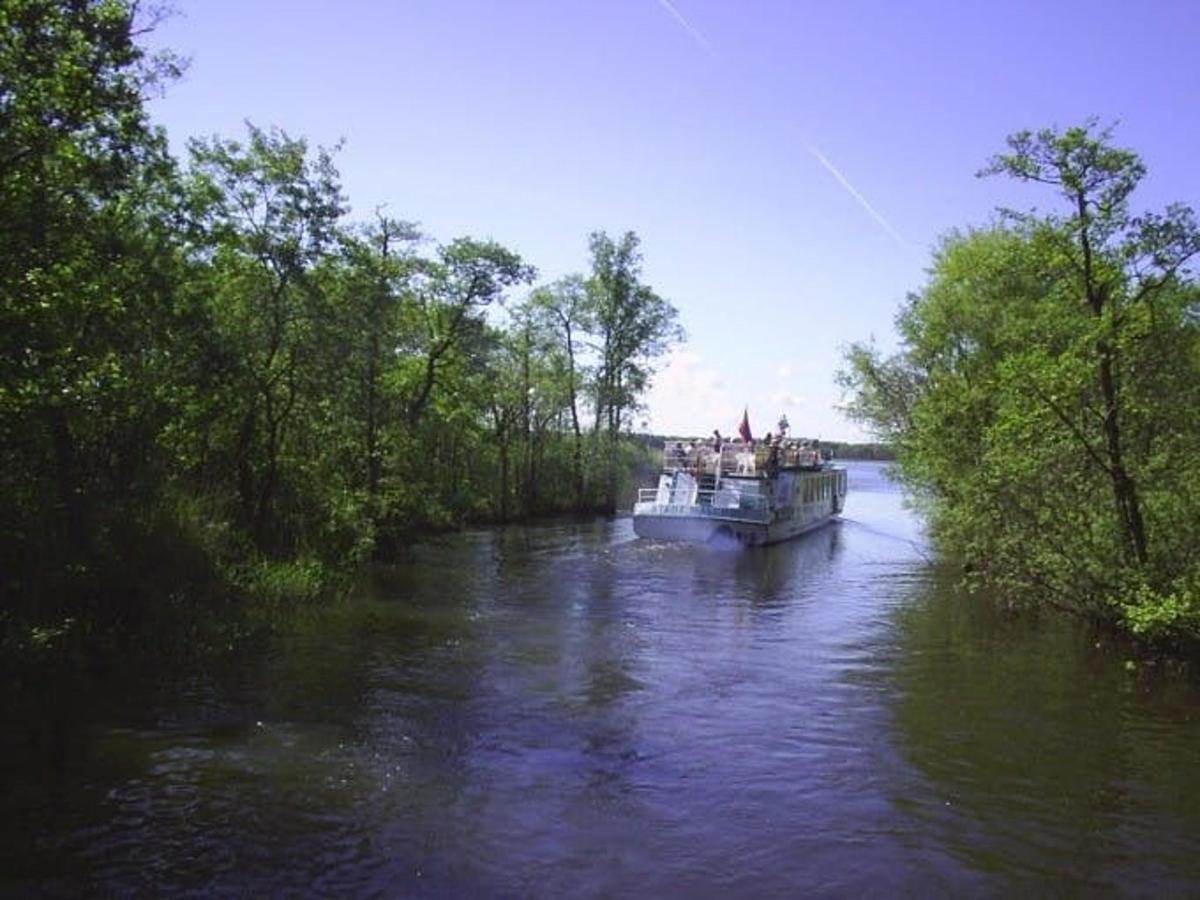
(566, 710)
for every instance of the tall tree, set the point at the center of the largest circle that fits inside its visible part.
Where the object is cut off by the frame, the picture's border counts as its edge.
(634, 326)
(507, 398)
(563, 309)
(87, 265)
(379, 264)
(270, 213)
(467, 277)
(1118, 262)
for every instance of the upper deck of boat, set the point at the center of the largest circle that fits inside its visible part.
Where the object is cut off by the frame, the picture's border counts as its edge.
(738, 459)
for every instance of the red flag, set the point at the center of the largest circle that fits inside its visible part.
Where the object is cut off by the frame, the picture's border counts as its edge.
(744, 428)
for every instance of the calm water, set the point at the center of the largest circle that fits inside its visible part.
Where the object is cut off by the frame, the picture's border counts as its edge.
(569, 711)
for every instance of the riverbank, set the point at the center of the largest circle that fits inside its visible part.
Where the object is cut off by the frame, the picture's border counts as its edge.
(186, 586)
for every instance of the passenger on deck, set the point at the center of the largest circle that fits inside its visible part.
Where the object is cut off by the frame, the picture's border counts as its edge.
(772, 453)
(745, 459)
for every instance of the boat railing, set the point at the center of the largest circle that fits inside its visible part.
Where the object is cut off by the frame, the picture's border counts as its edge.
(737, 458)
(722, 500)
(680, 456)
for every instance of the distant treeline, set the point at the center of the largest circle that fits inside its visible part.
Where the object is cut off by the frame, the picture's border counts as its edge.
(1045, 404)
(870, 451)
(215, 385)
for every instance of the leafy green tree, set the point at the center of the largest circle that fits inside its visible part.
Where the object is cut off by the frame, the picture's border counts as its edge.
(549, 415)
(374, 285)
(633, 327)
(562, 310)
(467, 277)
(1120, 263)
(1050, 363)
(269, 215)
(87, 273)
(507, 399)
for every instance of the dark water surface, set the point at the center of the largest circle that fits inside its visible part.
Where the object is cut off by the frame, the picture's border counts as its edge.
(566, 710)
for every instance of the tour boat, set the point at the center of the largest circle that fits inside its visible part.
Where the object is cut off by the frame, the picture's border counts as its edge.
(741, 494)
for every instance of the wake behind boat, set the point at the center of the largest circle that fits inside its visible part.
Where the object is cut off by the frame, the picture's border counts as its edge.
(740, 492)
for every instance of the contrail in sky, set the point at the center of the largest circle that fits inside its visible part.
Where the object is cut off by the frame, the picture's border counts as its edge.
(704, 45)
(686, 25)
(862, 201)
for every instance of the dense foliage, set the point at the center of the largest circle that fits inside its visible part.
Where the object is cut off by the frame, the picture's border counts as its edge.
(1045, 402)
(211, 379)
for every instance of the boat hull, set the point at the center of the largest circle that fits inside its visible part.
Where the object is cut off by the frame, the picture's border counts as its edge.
(704, 529)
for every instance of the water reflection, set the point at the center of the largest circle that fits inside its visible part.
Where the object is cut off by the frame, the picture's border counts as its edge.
(767, 576)
(1041, 758)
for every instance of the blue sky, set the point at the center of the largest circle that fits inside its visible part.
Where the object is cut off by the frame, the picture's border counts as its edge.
(788, 165)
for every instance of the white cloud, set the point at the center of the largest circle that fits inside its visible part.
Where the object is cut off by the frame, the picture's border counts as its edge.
(688, 397)
(692, 394)
(787, 401)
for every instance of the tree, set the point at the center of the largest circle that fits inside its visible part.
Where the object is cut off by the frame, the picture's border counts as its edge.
(506, 398)
(562, 309)
(1119, 262)
(87, 271)
(379, 265)
(1050, 361)
(467, 277)
(269, 215)
(634, 326)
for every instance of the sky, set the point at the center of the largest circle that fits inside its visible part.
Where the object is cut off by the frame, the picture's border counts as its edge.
(788, 166)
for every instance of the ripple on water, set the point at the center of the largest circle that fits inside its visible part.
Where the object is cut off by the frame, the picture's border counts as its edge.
(565, 710)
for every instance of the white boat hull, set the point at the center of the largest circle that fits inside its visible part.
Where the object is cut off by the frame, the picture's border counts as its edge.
(702, 529)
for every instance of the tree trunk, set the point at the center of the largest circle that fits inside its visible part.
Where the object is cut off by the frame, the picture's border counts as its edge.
(66, 468)
(503, 510)
(372, 435)
(1125, 492)
(245, 466)
(577, 459)
(266, 494)
(375, 325)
